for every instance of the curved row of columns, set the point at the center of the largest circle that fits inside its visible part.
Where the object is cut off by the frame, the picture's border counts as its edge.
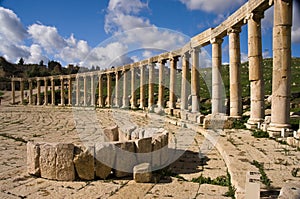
(280, 88)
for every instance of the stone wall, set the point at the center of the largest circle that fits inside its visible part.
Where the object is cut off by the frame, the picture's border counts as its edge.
(68, 162)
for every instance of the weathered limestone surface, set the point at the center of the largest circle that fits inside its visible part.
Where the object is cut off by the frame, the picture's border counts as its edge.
(105, 159)
(142, 173)
(143, 150)
(33, 154)
(84, 162)
(48, 161)
(125, 158)
(111, 134)
(290, 191)
(64, 162)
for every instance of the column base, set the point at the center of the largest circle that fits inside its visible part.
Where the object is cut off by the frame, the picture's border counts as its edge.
(159, 110)
(280, 130)
(151, 108)
(252, 123)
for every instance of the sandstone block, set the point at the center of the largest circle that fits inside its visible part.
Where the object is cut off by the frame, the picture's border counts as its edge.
(65, 170)
(143, 150)
(33, 155)
(142, 173)
(125, 158)
(47, 161)
(111, 134)
(105, 159)
(84, 162)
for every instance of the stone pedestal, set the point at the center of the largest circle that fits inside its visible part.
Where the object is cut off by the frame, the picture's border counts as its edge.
(281, 87)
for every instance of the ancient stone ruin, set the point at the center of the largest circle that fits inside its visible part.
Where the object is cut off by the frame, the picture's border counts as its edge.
(116, 157)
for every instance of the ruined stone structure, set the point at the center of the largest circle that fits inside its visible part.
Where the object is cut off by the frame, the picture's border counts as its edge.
(121, 83)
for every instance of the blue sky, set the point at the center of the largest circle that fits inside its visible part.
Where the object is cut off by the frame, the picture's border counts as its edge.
(99, 32)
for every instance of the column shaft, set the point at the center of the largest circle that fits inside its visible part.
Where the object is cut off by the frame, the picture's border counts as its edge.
(70, 91)
(195, 81)
(281, 85)
(52, 92)
(151, 87)
(45, 92)
(62, 92)
(161, 86)
(142, 87)
(84, 91)
(100, 87)
(117, 90)
(92, 91)
(125, 103)
(257, 110)
(13, 94)
(217, 91)
(184, 81)
(173, 67)
(22, 91)
(38, 94)
(30, 92)
(235, 73)
(77, 91)
(133, 95)
(108, 90)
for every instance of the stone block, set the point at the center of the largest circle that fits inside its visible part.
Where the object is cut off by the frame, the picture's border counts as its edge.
(291, 141)
(125, 158)
(47, 161)
(142, 173)
(164, 154)
(84, 162)
(157, 144)
(33, 155)
(105, 159)
(126, 132)
(290, 191)
(65, 170)
(143, 150)
(111, 134)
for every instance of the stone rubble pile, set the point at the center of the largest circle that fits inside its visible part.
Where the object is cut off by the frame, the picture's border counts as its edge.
(117, 156)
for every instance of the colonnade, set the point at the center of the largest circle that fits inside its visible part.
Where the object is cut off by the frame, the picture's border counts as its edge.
(131, 77)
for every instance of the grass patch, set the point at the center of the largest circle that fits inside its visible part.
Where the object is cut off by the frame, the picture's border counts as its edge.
(263, 178)
(260, 134)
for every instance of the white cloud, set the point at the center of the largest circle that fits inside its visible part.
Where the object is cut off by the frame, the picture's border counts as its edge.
(213, 6)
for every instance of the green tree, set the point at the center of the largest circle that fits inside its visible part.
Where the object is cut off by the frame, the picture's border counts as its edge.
(21, 61)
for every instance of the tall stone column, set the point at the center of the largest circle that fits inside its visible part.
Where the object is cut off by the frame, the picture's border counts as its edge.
(195, 81)
(21, 91)
(173, 67)
(235, 72)
(281, 86)
(92, 91)
(45, 91)
(13, 90)
(109, 90)
(125, 103)
(52, 91)
(38, 94)
(100, 91)
(77, 91)
(69, 91)
(133, 95)
(30, 92)
(151, 86)
(184, 81)
(62, 91)
(117, 90)
(257, 107)
(84, 91)
(217, 91)
(142, 87)
(161, 82)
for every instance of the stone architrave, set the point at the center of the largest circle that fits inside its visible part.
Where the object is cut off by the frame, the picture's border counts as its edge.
(33, 155)
(143, 150)
(65, 170)
(47, 161)
(105, 159)
(125, 158)
(142, 173)
(111, 134)
(84, 162)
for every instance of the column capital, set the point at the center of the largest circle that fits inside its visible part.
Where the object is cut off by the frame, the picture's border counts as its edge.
(162, 60)
(216, 40)
(256, 16)
(195, 50)
(173, 58)
(236, 30)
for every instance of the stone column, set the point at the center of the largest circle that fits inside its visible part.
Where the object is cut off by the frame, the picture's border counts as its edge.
(38, 94)
(235, 73)
(30, 92)
(117, 90)
(125, 90)
(21, 91)
(52, 91)
(195, 81)
(184, 81)
(70, 91)
(151, 86)
(62, 91)
(161, 82)
(142, 87)
(13, 94)
(77, 91)
(217, 91)
(173, 67)
(84, 91)
(92, 91)
(108, 90)
(281, 86)
(100, 91)
(133, 95)
(257, 108)
(45, 91)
